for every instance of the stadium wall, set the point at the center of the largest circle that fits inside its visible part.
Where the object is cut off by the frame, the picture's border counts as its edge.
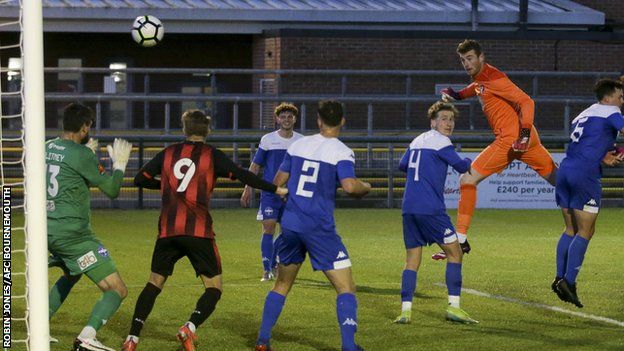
(312, 52)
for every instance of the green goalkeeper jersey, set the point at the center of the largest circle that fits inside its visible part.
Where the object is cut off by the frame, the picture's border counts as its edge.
(71, 169)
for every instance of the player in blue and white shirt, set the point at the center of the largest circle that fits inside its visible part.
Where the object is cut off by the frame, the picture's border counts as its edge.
(312, 169)
(578, 187)
(425, 221)
(269, 157)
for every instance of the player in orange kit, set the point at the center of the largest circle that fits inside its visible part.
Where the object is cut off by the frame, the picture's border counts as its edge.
(509, 111)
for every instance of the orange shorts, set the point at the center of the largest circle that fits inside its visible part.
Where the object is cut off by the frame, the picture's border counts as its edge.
(498, 155)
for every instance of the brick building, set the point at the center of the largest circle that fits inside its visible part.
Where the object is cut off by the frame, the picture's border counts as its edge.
(584, 35)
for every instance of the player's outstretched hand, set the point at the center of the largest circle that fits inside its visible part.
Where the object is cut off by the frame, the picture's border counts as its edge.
(119, 153)
(281, 191)
(449, 95)
(92, 144)
(246, 197)
(522, 144)
(615, 157)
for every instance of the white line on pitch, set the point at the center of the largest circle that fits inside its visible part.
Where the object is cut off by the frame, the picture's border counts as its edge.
(539, 305)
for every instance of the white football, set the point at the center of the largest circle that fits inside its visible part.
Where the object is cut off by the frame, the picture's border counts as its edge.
(147, 30)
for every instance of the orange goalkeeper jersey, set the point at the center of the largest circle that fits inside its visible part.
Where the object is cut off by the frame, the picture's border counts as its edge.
(505, 105)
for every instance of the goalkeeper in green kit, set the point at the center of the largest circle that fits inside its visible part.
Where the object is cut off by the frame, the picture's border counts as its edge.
(73, 167)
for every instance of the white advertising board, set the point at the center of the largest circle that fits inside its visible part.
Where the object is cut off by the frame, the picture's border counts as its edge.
(517, 186)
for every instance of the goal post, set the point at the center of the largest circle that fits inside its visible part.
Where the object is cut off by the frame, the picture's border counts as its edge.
(34, 173)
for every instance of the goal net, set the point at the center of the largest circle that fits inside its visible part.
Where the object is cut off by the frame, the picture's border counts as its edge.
(22, 172)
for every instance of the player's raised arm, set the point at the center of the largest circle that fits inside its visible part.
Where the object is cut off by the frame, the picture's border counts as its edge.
(224, 167)
(451, 157)
(147, 177)
(108, 184)
(450, 95)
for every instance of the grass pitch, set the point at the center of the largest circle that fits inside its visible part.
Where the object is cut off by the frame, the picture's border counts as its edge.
(513, 256)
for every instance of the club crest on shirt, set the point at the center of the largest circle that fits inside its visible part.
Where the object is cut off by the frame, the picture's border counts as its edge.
(102, 251)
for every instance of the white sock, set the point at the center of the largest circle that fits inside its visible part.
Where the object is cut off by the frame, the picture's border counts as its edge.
(462, 238)
(87, 332)
(453, 301)
(406, 306)
(191, 326)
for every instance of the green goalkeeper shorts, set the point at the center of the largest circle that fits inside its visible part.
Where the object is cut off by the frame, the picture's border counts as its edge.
(80, 253)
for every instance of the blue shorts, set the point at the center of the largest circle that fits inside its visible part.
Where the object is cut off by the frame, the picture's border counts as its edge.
(578, 190)
(421, 230)
(271, 207)
(326, 250)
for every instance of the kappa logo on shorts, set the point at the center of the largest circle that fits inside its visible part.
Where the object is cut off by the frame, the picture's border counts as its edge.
(102, 251)
(86, 260)
(50, 206)
(591, 206)
(268, 211)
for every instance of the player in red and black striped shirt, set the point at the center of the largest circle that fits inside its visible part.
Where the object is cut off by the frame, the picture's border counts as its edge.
(186, 174)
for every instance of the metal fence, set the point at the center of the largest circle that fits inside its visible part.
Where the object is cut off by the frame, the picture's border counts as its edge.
(377, 159)
(375, 100)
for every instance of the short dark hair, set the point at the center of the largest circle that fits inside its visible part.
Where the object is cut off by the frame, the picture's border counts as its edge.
(195, 122)
(286, 106)
(330, 112)
(75, 116)
(606, 87)
(467, 45)
(442, 106)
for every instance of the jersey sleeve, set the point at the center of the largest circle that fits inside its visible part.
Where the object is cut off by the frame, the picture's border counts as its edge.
(404, 161)
(224, 167)
(450, 156)
(146, 177)
(260, 157)
(616, 120)
(506, 89)
(346, 165)
(285, 166)
(468, 91)
(87, 167)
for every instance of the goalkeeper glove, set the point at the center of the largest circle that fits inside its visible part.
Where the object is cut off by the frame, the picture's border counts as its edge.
(449, 95)
(522, 144)
(119, 153)
(93, 145)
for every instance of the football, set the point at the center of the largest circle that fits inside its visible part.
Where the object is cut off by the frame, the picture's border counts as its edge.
(147, 30)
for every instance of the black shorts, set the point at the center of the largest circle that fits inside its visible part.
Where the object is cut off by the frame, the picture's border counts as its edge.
(202, 252)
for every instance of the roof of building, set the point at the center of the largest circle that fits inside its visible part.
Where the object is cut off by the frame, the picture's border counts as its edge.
(255, 16)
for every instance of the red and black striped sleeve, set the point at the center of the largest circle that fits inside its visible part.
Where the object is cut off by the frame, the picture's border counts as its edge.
(146, 178)
(224, 167)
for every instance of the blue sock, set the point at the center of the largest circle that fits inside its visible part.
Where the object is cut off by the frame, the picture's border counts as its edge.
(576, 255)
(408, 285)
(346, 309)
(273, 305)
(562, 253)
(453, 278)
(274, 255)
(266, 247)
